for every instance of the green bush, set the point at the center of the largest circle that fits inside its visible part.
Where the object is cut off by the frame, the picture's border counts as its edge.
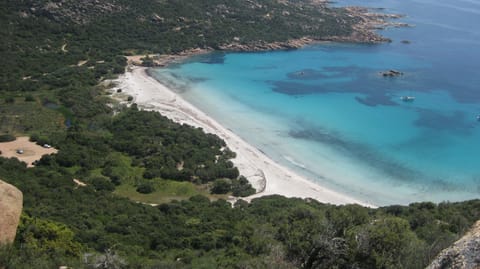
(102, 184)
(147, 61)
(7, 138)
(29, 98)
(242, 188)
(221, 186)
(145, 188)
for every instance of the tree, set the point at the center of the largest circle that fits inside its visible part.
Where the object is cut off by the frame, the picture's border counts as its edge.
(29, 98)
(48, 237)
(241, 187)
(221, 186)
(145, 188)
(386, 243)
(102, 184)
(147, 61)
(7, 138)
(108, 260)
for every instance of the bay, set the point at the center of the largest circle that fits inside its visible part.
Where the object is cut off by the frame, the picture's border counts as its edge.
(327, 112)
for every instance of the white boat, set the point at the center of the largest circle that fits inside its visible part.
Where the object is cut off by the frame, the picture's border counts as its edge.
(407, 98)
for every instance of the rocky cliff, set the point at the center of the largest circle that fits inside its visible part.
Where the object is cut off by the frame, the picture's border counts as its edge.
(11, 202)
(464, 253)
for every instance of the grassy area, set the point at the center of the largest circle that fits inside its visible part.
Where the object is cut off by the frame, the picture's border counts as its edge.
(122, 166)
(165, 190)
(73, 169)
(20, 117)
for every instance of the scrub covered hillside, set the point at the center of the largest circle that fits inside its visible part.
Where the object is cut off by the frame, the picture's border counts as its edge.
(43, 41)
(89, 205)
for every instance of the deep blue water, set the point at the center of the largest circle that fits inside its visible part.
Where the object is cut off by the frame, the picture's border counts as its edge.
(326, 112)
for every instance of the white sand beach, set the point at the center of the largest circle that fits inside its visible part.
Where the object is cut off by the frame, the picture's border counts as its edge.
(267, 176)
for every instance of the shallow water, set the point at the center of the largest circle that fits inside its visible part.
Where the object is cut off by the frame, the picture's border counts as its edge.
(327, 112)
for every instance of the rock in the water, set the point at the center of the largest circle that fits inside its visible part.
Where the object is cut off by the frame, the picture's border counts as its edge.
(391, 73)
(11, 203)
(463, 254)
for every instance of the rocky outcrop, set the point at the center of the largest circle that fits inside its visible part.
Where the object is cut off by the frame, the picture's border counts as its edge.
(464, 254)
(11, 202)
(267, 46)
(363, 31)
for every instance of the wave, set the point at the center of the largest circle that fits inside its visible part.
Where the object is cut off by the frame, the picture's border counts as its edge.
(292, 161)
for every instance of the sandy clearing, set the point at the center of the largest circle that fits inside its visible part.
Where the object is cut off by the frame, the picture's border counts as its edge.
(137, 59)
(31, 151)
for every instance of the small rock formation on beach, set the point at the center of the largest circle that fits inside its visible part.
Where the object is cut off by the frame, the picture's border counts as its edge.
(11, 203)
(463, 254)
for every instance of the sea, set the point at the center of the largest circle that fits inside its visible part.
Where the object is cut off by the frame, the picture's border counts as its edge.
(326, 111)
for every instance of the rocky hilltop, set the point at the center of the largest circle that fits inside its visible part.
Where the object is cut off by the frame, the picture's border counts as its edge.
(11, 203)
(80, 12)
(463, 254)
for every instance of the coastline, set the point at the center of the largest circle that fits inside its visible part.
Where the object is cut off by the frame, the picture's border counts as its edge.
(266, 175)
(364, 31)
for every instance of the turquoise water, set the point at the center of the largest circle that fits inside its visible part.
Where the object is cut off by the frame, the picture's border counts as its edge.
(326, 112)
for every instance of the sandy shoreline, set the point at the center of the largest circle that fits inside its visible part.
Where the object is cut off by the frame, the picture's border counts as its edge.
(267, 176)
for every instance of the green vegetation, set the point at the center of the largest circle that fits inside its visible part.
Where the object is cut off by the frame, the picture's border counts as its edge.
(63, 222)
(165, 191)
(239, 187)
(23, 116)
(44, 42)
(54, 56)
(170, 150)
(7, 138)
(82, 226)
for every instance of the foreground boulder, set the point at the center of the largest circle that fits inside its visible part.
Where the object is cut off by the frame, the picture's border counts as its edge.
(11, 202)
(464, 254)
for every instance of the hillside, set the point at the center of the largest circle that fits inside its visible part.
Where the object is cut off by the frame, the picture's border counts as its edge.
(42, 36)
(89, 205)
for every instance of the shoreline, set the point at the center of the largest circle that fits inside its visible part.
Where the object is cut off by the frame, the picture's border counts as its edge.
(266, 175)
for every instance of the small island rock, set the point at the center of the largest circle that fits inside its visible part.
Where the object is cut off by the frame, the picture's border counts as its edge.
(391, 73)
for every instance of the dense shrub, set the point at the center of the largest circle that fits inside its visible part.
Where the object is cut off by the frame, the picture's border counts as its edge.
(7, 138)
(145, 188)
(101, 184)
(29, 98)
(221, 186)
